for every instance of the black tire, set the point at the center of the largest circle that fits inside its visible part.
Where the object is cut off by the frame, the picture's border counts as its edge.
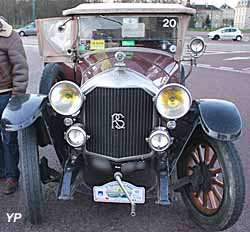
(52, 74)
(216, 37)
(238, 38)
(32, 187)
(232, 200)
(22, 33)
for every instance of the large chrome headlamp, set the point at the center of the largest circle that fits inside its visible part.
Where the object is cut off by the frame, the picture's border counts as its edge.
(173, 101)
(66, 97)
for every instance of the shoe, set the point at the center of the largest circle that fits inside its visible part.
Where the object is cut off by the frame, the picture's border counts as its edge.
(10, 186)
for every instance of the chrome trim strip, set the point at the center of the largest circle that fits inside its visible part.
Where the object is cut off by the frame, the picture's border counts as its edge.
(120, 77)
(128, 49)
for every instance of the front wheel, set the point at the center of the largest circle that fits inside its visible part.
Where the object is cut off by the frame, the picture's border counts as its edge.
(216, 37)
(32, 188)
(215, 200)
(238, 38)
(21, 33)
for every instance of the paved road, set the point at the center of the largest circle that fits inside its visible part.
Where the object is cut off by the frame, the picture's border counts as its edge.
(208, 80)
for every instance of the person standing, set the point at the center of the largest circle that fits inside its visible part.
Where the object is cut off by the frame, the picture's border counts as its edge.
(13, 81)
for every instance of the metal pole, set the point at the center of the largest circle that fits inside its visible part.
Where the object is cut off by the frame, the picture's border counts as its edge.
(33, 10)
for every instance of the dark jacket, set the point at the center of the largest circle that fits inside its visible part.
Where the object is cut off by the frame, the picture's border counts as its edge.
(13, 64)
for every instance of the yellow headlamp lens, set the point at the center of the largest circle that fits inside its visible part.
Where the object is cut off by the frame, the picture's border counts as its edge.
(68, 95)
(173, 101)
(66, 98)
(172, 98)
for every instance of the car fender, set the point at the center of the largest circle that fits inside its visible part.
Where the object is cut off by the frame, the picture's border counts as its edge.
(22, 111)
(220, 119)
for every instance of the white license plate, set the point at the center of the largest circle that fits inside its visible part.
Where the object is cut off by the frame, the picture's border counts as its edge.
(112, 192)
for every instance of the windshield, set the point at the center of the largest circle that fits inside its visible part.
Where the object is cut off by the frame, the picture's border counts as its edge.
(101, 32)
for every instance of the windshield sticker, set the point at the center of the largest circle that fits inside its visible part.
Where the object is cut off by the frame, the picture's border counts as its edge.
(82, 48)
(134, 31)
(97, 44)
(131, 22)
(128, 43)
(172, 23)
(129, 55)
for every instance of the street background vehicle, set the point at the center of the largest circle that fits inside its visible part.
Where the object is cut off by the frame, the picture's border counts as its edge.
(226, 33)
(29, 29)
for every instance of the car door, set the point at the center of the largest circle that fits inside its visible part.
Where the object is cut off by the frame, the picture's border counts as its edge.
(55, 37)
(33, 30)
(225, 34)
(233, 33)
(28, 30)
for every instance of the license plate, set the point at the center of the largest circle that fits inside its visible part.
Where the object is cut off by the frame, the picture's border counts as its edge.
(112, 192)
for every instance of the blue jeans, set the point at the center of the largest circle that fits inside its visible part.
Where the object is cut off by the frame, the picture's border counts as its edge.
(9, 152)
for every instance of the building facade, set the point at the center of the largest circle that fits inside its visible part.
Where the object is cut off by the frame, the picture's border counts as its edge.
(207, 16)
(242, 15)
(227, 15)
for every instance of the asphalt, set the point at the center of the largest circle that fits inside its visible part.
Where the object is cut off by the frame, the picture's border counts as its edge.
(208, 80)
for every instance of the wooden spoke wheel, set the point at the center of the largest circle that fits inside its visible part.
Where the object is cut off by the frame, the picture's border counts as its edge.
(208, 194)
(215, 196)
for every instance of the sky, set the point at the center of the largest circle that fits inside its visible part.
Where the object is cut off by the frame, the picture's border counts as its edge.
(217, 3)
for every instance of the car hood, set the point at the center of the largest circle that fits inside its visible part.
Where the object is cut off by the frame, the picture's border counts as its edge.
(152, 64)
(213, 32)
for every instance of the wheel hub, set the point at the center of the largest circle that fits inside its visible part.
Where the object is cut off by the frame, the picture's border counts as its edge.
(204, 180)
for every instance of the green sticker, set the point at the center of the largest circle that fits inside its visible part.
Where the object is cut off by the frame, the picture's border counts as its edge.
(128, 43)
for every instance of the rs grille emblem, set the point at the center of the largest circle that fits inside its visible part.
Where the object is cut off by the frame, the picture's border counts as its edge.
(118, 121)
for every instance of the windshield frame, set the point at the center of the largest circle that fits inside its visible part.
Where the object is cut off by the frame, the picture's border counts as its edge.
(181, 31)
(105, 16)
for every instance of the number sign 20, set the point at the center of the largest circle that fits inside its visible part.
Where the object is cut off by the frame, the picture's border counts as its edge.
(169, 23)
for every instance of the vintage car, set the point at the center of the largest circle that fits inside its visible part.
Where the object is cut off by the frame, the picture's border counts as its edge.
(113, 103)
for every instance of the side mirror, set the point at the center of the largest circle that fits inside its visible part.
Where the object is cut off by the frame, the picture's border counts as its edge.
(197, 47)
(61, 28)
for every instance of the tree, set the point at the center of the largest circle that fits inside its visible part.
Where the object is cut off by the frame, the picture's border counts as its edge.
(207, 22)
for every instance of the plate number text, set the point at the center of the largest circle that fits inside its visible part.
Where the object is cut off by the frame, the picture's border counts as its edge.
(169, 23)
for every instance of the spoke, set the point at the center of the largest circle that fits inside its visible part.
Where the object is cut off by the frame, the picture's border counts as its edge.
(197, 198)
(218, 183)
(200, 201)
(212, 200)
(205, 197)
(195, 158)
(206, 157)
(217, 193)
(190, 163)
(213, 160)
(216, 171)
(189, 171)
(199, 153)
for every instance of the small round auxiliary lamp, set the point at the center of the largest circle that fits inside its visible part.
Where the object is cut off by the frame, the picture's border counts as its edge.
(197, 47)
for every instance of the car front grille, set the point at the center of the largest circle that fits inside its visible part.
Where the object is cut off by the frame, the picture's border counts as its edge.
(118, 121)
